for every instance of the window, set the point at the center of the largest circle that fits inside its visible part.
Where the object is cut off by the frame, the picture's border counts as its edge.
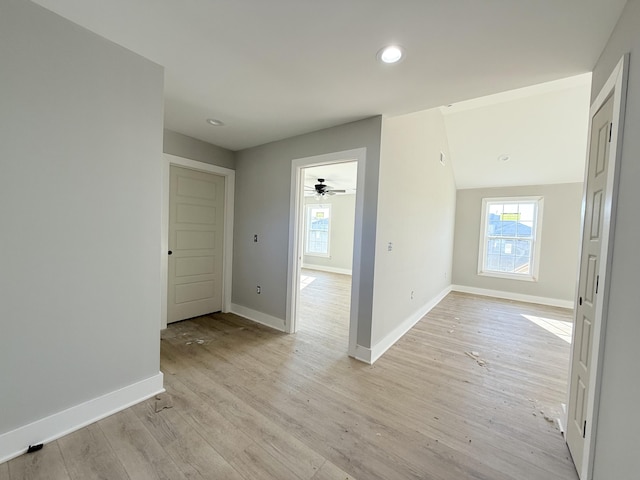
(510, 237)
(318, 230)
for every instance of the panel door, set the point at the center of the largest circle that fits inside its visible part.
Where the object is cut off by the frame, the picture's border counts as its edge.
(589, 282)
(196, 235)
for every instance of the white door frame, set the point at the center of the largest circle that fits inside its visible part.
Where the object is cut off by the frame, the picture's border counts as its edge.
(227, 249)
(616, 85)
(295, 235)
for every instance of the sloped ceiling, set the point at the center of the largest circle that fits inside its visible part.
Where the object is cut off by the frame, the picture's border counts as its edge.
(532, 136)
(277, 68)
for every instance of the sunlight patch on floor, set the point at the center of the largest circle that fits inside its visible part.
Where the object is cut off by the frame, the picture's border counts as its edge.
(305, 281)
(559, 328)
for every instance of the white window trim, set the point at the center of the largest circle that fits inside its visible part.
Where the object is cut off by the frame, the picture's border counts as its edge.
(532, 276)
(309, 206)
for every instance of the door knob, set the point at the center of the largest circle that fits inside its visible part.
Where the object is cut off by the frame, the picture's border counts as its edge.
(170, 252)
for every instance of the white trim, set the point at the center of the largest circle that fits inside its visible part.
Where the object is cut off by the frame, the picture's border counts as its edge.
(48, 429)
(536, 238)
(358, 155)
(397, 333)
(322, 268)
(363, 354)
(258, 317)
(518, 297)
(229, 189)
(615, 85)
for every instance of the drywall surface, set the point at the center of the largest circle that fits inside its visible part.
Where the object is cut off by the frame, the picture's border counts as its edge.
(263, 188)
(560, 240)
(184, 146)
(416, 211)
(343, 208)
(618, 433)
(81, 158)
(545, 136)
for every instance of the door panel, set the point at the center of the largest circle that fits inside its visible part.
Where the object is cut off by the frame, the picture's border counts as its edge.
(588, 287)
(196, 235)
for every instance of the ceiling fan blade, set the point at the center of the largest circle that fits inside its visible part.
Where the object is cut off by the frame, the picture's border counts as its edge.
(337, 191)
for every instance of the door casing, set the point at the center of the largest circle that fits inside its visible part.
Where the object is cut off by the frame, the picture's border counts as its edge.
(296, 236)
(229, 185)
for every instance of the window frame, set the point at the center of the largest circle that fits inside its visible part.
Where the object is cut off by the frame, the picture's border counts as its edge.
(536, 236)
(307, 229)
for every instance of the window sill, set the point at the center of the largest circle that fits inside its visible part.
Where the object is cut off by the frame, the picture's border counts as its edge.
(321, 255)
(509, 276)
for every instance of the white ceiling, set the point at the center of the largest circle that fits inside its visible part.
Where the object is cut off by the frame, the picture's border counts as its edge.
(271, 69)
(542, 129)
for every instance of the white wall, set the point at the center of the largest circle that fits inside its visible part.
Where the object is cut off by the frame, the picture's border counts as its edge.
(618, 434)
(340, 260)
(416, 209)
(560, 235)
(80, 162)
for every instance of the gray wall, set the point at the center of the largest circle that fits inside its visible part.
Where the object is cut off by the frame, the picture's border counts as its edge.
(80, 213)
(343, 209)
(619, 423)
(184, 146)
(558, 250)
(263, 187)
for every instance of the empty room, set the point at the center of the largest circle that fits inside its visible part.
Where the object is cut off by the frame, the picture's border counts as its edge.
(302, 240)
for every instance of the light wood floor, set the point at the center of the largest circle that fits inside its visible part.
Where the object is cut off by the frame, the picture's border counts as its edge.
(251, 403)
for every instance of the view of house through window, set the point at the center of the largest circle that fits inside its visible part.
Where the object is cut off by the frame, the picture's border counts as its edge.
(510, 235)
(318, 228)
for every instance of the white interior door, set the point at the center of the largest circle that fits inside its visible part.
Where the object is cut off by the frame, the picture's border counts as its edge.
(589, 281)
(196, 236)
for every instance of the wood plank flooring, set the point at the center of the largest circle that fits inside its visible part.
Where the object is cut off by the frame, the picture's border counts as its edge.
(249, 403)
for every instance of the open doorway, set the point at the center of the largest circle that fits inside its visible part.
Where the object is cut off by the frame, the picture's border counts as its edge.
(325, 244)
(327, 226)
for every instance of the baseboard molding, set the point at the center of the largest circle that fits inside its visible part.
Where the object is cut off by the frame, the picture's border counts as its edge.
(392, 337)
(342, 271)
(48, 429)
(361, 353)
(519, 297)
(258, 317)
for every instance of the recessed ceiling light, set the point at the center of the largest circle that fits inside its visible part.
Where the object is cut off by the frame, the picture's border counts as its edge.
(391, 54)
(504, 158)
(214, 122)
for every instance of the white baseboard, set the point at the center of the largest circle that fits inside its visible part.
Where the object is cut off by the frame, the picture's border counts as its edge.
(392, 337)
(48, 429)
(322, 268)
(519, 297)
(258, 317)
(361, 353)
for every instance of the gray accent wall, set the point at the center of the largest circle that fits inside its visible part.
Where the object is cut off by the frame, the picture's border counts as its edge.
(184, 146)
(80, 192)
(560, 240)
(618, 436)
(262, 206)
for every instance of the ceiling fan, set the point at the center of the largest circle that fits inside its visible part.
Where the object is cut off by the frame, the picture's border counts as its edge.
(321, 189)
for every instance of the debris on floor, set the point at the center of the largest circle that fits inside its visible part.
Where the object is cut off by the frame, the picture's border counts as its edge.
(476, 356)
(199, 341)
(163, 401)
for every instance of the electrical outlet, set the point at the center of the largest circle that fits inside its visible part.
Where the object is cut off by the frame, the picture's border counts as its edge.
(390, 247)
(412, 292)
(258, 290)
